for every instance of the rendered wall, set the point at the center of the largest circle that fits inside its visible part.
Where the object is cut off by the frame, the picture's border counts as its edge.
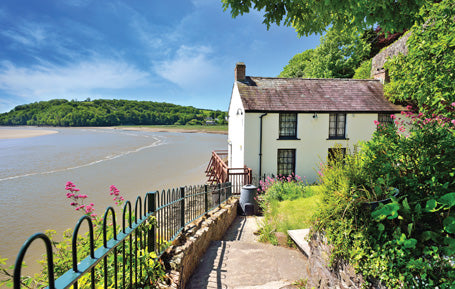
(312, 144)
(236, 130)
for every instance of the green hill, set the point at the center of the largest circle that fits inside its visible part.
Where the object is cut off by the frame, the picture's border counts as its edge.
(103, 112)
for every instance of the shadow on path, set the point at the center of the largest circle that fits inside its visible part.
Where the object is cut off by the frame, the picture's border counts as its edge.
(240, 261)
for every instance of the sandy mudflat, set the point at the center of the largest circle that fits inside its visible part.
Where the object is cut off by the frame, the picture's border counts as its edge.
(10, 133)
(166, 129)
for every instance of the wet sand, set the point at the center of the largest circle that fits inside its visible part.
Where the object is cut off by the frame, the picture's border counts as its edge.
(165, 129)
(8, 133)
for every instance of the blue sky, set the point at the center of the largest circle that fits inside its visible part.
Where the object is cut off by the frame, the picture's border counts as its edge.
(182, 52)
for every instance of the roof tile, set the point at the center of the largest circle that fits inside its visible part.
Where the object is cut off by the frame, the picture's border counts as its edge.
(313, 95)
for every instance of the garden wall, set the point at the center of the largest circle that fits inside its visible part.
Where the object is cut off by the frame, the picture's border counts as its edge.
(182, 258)
(322, 275)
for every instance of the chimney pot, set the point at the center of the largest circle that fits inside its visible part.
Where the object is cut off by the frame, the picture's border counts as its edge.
(240, 69)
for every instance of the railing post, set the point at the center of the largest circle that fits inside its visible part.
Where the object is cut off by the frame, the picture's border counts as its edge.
(151, 233)
(219, 194)
(206, 199)
(182, 207)
(229, 194)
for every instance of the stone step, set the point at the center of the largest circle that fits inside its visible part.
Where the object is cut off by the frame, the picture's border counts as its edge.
(299, 237)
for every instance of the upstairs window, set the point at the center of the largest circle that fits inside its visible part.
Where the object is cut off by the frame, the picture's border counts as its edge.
(288, 125)
(286, 162)
(337, 126)
(385, 118)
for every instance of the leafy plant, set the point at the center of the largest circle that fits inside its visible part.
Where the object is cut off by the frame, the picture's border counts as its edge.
(149, 267)
(407, 241)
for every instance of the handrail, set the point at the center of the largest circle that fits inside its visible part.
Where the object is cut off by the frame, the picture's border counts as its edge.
(192, 203)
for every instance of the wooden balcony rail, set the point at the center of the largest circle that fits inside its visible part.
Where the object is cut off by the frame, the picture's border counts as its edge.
(218, 172)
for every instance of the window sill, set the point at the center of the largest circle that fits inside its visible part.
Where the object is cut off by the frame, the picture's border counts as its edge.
(288, 138)
(338, 138)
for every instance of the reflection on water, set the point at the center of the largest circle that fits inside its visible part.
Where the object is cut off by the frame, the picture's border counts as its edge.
(34, 171)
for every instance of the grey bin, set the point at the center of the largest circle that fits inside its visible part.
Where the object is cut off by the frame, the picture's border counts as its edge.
(247, 202)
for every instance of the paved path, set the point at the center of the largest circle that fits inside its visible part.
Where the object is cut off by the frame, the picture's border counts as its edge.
(239, 261)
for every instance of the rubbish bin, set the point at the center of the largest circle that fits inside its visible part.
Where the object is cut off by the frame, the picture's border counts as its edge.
(247, 202)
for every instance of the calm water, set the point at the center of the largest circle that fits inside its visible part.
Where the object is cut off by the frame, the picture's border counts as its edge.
(34, 171)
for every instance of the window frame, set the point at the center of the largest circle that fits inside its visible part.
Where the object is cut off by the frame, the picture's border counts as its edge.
(385, 118)
(331, 153)
(337, 125)
(281, 127)
(292, 163)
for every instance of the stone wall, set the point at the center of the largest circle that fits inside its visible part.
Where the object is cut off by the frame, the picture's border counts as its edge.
(182, 258)
(377, 63)
(322, 275)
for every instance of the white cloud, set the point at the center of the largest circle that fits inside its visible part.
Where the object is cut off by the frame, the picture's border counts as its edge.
(47, 80)
(28, 34)
(191, 68)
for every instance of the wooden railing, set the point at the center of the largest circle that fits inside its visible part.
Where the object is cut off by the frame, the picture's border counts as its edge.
(218, 172)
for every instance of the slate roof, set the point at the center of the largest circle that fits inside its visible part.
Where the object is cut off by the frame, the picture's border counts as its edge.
(313, 95)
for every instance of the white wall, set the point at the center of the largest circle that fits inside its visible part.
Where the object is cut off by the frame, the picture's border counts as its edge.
(312, 146)
(236, 130)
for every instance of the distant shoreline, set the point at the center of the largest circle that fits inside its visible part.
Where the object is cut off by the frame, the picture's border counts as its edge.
(10, 132)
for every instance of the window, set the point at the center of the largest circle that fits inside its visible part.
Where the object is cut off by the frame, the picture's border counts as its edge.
(288, 125)
(337, 125)
(336, 154)
(286, 162)
(385, 118)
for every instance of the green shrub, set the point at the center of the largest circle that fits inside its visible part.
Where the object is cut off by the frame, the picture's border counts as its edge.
(408, 241)
(363, 71)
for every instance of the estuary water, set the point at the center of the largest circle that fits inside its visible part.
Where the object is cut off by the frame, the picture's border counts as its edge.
(34, 171)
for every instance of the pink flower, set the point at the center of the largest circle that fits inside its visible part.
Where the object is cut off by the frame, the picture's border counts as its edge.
(376, 122)
(453, 121)
(392, 116)
(453, 103)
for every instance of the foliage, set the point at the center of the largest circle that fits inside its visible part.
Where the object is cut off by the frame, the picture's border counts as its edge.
(150, 267)
(288, 203)
(338, 55)
(314, 16)
(425, 76)
(299, 65)
(104, 112)
(408, 240)
(363, 71)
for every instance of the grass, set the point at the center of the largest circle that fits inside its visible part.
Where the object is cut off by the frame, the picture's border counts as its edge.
(296, 214)
(289, 214)
(219, 128)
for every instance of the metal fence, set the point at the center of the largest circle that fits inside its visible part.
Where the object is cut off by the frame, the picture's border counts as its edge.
(125, 251)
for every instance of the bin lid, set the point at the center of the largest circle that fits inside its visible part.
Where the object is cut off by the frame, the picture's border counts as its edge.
(249, 187)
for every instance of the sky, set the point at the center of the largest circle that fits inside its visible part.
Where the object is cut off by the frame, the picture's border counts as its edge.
(176, 51)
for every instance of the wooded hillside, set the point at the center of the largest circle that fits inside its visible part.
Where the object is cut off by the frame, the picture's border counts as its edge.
(103, 112)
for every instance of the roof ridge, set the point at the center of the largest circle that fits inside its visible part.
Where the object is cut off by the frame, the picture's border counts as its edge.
(325, 79)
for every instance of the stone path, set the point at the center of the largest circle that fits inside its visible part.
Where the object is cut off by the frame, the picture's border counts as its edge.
(239, 261)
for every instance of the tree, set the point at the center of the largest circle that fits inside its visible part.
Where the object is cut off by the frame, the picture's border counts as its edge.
(298, 65)
(338, 55)
(314, 16)
(425, 76)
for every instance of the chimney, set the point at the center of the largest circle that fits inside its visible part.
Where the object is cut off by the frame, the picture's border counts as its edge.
(240, 68)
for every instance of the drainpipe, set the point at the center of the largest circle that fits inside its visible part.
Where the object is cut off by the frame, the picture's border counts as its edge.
(260, 144)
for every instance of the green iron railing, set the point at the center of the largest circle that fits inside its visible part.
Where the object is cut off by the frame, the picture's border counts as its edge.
(122, 254)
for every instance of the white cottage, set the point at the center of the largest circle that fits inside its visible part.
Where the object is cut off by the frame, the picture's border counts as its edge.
(283, 125)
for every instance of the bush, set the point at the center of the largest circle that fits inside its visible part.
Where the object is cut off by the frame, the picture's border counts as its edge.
(363, 71)
(408, 241)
